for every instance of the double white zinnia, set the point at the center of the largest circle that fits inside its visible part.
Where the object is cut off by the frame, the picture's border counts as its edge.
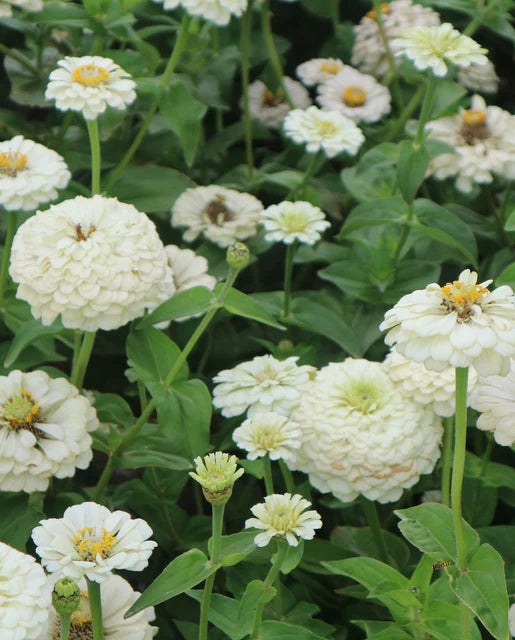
(290, 221)
(268, 434)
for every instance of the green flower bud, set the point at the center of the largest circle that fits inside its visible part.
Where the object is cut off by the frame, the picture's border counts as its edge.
(216, 473)
(285, 346)
(66, 597)
(238, 256)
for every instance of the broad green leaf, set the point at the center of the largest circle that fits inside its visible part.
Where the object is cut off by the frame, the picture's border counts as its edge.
(412, 167)
(492, 474)
(241, 304)
(391, 634)
(360, 541)
(273, 630)
(182, 305)
(507, 276)
(147, 454)
(374, 213)
(443, 621)
(183, 573)
(152, 354)
(61, 15)
(31, 331)
(236, 547)
(447, 94)
(223, 613)
(292, 558)
(18, 519)
(112, 408)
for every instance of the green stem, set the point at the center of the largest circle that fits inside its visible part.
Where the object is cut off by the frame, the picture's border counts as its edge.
(459, 465)
(505, 201)
(217, 524)
(335, 13)
(6, 255)
(95, 604)
(65, 627)
(63, 128)
(404, 235)
(273, 56)
(498, 217)
(406, 114)
(142, 393)
(77, 341)
(267, 474)
(427, 106)
(305, 178)
(19, 57)
(170, 67)
(447, 460)
(287, 476)
(246, 30)
(370, 510)
(396, 87)
(269, 580)
(288, 268)
(94, 143)
(83, 359)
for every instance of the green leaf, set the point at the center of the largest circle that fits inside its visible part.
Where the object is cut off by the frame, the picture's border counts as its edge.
(492, 474)
(360, 541)
(507, 276)
(152, 354)
(442, 621)
(112, 408)
(183, 113)
(374, 213)
(223, 613)
(31, 331)
(182, 305)
(235, 547)
(391, 634)
(273, 630)
(17, 519)
(412, 167)
(183, 573)
(447, 94)
(243, 305)
(148, 455)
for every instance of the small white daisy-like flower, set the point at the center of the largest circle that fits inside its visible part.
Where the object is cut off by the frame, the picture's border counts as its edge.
(358, 96)
(313, 72)
(481, 78)
(494, 398)
(91, 541)
(30, 174)
(99, 263)
(217, 11)
(368, 52)
(362, 435)
(271, 108)
(267, 433)
(290, 221)
(264, 384)
(216, 473)
(284, 516)
(435, 388)
(28, 5)
(25, 596)
(221, 215)
(484, 144)
(44, 430)
(462, 324)
(116, 596)
(330, 131)
(89, 84)
(436, 47)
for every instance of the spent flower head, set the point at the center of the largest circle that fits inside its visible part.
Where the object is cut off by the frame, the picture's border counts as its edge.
(268, 433)
(216, 473)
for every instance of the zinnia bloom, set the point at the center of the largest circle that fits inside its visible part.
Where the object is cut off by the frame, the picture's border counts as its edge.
(44, 430)
(481, 78)
(290, 221)
(217, 11)
(28, 5)
(216, 473)
(30, 174)
(97, 262)
(267, 434)
(91, 541)
(89, 84)
(462, 324)
(271, 108)
(284, 516)
(317, 70)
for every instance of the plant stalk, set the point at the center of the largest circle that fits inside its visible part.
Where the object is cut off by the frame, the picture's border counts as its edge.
(288, 268)
(267, 474)
(305, 178)
(396, 87)
(94, 143)
(6, 255)
(427, 106)
(83, 359)
(372, 517)
(246, 30)
(217, 525)
(287, 476)
(269, 580)
(65, 627)
(459, 465)
(447, 460)
(19, 57)
(95, 604)
(273, 56)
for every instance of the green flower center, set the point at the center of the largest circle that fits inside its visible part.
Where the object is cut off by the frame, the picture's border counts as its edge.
(21, 411)
(361, 396)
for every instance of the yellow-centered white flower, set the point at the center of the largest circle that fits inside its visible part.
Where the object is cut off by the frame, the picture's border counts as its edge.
(284, 516)
(217, 11)
(268, 434)
(462, 324)
(91, 541)
(290, 221)
(90, 84)
(313, 72)
(269, 107)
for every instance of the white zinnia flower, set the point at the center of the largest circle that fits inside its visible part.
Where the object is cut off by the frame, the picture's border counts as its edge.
(484, 144)
(482, 78)
(24, 596)
(264, 384)
(267, 433)
(30, 174)
(116, 596)
(91, 541)
(436, 47)
(284, 516)
(362, 435)
(217, 11)
(358, 96)
(44, 425)
(271, 108)
(436, 388)
(368, 52)
(290, 221)
(327, 130)
(511, 619)
(97, 261)
(317, 70)
(89, 84)
(462, 324)
(494, 398)
(221, 215)
(28, 5)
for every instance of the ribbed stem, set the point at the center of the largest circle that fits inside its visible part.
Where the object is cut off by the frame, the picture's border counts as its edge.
(288, 268)
(79, 369)
(65, 627)
(269, 580)
(267, 474)
(447, 460)
(246, 30)
(6, 255)
(427, 106)
(273, 56)
(95, 605)
(94, 143)
(458, 467)
(217, 526)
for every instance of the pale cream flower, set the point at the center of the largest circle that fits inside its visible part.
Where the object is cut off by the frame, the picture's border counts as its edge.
(482, 78)
(358, 96)
(28, 5)
(284, 516)
(267, 433)
(217, 11)
(290, 221)
(327, 130)
(484, 145)
(221, 215)
(24, 596)
(30, 174)
(89, 84)
(97, 262)
(91, 541)
(44, 430)
(436, 47)
(264, 384)
(271, 108)
(462, 324)
(511, 619)
(362, 435)
(216, 473)
(317, 70)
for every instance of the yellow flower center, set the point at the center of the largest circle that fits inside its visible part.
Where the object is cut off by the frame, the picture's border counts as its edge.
(475, 126)
(385, 9)
(327, 128)
(21, 411)
(354, 96)
(90, 75)
(11, 162)
(473, 117)
(461, 297)
(89, 545)
(283, 519)
(330, 67)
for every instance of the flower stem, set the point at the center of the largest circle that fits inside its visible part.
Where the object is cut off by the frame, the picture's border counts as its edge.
(19, 57)
(6, 255)
(447, 461)
(269, 580)
(370, 510)
(406, 113)
(305, 178)
(217, 524)
(335, 12)
(459, 465)
(267, 474)
(287, 476)
(77, 341)
(427, 106)
(288, 268)
(396, 88)
(65, 627)
(246, 30)
(94, 143)
(404, 235)
(95, 604)
(79, 369)
(273, 56)
(170, 67)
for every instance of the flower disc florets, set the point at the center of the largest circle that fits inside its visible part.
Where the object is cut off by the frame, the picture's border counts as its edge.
(216, 473)
(97, 262)
(271, 107)
(290, 221)
(462, 324)
(268, 434)
(284, 516)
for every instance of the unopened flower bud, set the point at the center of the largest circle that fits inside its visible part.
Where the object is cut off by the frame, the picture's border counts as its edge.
(66, 596)
(216, 473)
(285, 346)
(238, 255)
